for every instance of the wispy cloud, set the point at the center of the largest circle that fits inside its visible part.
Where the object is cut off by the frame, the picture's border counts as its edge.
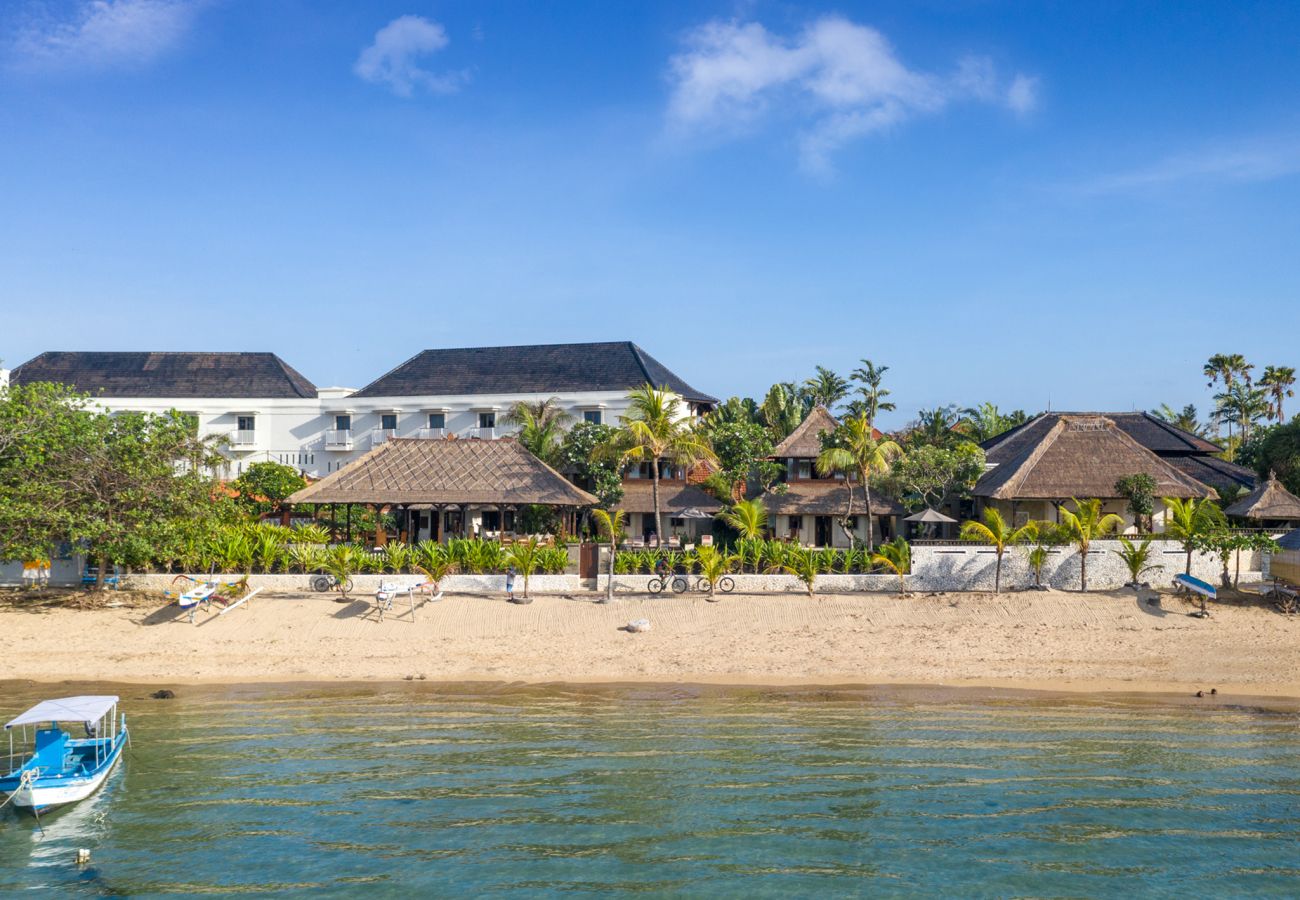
(841, 80)
(1254, 160)
(104, 33)
(394, 58)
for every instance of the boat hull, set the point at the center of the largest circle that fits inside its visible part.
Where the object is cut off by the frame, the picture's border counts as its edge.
(40, 794)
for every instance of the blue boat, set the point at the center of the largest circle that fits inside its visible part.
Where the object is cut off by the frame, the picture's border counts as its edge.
(60, 768)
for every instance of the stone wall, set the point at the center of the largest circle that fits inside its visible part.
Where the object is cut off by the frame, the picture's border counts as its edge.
(765, 584)
(367, 584)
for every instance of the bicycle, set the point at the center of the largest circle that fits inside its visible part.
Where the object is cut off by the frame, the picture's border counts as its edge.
(324, 583)
(681, 583)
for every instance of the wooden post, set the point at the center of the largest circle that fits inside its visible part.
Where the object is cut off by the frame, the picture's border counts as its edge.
(349, 531)
(381, 536)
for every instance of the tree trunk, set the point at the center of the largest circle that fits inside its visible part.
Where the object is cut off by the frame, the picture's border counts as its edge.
(871, 531)
(997, 574)
(609, 584)
(1083, 569)
(654, 491)
(853, 538)
(103, 569)
(1189, 560)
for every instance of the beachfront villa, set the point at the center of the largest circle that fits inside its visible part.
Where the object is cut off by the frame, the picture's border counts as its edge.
(267, 410)
(812, 507)
(1054, 457)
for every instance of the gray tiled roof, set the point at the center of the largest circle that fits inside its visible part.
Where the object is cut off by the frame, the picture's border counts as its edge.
(167, 374)
(529, 369)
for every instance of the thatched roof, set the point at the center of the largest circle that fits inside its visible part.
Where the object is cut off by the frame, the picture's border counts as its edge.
(1270, 501)
(825, 497)
(168, 374)
(411, 470)
(1059, 455)
(805, 441)
(1152, 432)
(673, 496)
(1223, 476)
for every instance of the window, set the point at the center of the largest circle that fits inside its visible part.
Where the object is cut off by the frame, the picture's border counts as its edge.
(487, 420)
(342, 423)
(245, 423)
(592, 415)
(437, 420)
(675, 522)
(803, 468)
(388, 421)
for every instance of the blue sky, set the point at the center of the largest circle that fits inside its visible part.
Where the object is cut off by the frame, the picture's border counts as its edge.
(1024, 203)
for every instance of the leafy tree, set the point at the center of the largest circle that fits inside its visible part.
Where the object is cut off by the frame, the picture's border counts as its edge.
(926, 475)
(1280, 452)
(748, 518)
(541, 427)
(1185, 418)
(995, 532)
(264, 486)
(655, 430)
(582, 459)
(1191, 521)
(871, 394)
(782, 410)
(742, 450)
(1083, 525)
(610, 525)
(1278, 382)
(985, 421)
(1140, 492)
(853, 451)
(824, 389)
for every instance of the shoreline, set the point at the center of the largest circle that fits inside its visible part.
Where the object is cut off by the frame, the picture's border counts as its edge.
(1107, 645)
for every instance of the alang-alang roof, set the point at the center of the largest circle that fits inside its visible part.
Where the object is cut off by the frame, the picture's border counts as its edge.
(530, 369)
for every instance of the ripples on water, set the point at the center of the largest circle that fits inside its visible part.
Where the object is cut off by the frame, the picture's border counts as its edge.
(405, 792)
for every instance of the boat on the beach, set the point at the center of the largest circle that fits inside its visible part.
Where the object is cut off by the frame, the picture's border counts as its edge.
(59, 768)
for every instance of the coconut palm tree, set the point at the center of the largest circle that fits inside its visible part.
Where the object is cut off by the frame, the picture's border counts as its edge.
(656, 429)
(748, 518)
(871, 395)
(1137, 559)
(713, 565)
(782, 410)
(610, 525)
(1277, 381)
(1242, 404)
(987, 421)
(856, 453)
(1185, 418)
(896, 556)
(526, 556)
(1085, 524)
(825, 389)
(995, 531)
(541, 427)
(1190, 521)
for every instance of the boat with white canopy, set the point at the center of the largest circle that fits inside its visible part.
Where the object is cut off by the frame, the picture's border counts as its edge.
(59, 768)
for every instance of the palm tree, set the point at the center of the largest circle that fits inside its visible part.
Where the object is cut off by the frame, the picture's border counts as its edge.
(896, 556)
(748, 518)
(611, 525)
(541, 427)
(782, 410)
(526, 556)
(1277, 381)
(825, 388)
(1084, 525)
(1186, 418)
(1190, 521)
(655, 429)
(713, 564)
(986, 421)
(938, 427)
(1227, 367)
(1243, 404)
(871, 394)
(996, 532)
(802, 564)
(1137, 559)
(857, 453)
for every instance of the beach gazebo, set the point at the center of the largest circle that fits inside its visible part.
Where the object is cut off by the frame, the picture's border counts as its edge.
(1270, 502)
(445, 488)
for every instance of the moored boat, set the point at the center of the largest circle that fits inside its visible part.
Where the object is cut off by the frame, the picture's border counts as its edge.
(60, 768)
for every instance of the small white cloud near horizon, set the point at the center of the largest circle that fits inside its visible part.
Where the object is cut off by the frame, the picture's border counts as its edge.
(1253, 160)
(105, 33)
(393, 58)
(842, 80)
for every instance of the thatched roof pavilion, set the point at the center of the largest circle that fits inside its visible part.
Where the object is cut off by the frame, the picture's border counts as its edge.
(1270, 502)
(674, 496)
(826, 497)
(1058, 456)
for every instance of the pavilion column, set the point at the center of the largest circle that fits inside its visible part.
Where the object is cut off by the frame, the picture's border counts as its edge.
(439, 512)
(381, 536)
(349, 524)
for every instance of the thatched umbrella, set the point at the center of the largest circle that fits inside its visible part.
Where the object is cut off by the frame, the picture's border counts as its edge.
(930, 518)
(1270, 502)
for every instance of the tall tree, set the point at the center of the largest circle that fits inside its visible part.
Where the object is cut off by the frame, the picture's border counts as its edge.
(541, 425)
(931, 476)
(825, 389)
(995, 531)
(1185, 418)
(1278, 382)
(582, 459)
(1280, 452)
(871, 394)
(1243, 405)
(610, 525)
(656, 430)
(987, 421)
(942, 426)
(1190, 521)
(853, 451)
(743, 450)
(782, 410)
(1083, 525)
(264, 486)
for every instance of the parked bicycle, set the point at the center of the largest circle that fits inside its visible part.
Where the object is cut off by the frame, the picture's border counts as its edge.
(680, 584)
(325, 583)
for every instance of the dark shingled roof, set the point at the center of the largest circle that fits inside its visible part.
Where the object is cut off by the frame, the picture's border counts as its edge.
(167, 374)
(412, 470)
(1268, 502)
(674, 496)
(531, 369)
(1217, 473)
(1060, 455)
(825, 497)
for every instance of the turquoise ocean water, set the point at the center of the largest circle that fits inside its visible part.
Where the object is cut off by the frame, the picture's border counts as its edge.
(404, 792)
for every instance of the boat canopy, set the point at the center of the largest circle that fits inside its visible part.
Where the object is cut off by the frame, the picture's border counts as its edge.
(65, 709)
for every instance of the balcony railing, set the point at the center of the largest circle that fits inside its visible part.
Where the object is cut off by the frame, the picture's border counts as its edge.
(379, 435)
(487, 434)
(241, 438)
(338, 439)
(431, 434)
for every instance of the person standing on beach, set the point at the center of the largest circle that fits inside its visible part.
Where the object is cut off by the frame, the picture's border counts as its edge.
(511, 572)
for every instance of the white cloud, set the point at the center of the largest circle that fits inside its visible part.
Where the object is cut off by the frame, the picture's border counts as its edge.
(103, 33)
(840, 79)
(393, 58)
(1261, 159)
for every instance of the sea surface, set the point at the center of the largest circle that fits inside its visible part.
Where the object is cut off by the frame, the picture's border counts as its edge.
(412, 791)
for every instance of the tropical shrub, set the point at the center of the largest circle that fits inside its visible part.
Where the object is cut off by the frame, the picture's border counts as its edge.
(397, 557)
(895, 557)
(714, 564)
(1137, 559)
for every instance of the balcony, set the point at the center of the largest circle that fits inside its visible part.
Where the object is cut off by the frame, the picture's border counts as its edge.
(431, 434)
(380, 435)
(487, 434)
(243, 440)
(338, 439)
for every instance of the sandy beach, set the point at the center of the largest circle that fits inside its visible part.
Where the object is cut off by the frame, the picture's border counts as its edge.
(1045, 641)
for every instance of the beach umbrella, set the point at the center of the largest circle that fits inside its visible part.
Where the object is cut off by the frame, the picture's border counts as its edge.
(930, 517)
